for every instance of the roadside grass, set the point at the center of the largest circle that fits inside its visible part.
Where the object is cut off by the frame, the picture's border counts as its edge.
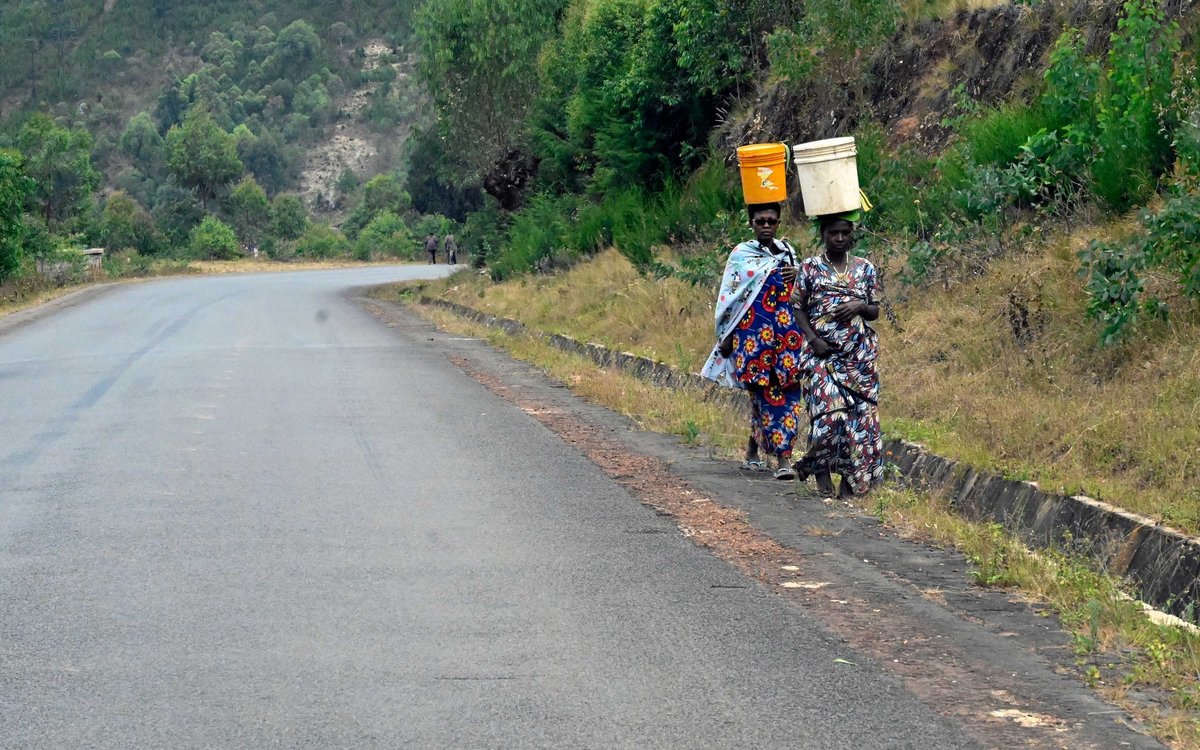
(652, 408)
(1002, 370)
(1149, 669)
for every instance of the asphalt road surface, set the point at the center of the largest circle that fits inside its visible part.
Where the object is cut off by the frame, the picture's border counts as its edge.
(241, 512)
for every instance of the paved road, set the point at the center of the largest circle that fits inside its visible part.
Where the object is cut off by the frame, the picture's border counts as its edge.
(240, 512)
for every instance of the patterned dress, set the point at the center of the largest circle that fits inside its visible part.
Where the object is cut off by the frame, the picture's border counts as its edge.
(843, 389)
(766, 359)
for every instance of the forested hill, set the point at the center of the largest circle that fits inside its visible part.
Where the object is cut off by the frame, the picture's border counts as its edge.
(207, 129)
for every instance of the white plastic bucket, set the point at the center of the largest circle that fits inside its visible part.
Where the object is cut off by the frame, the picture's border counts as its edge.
(828, 175)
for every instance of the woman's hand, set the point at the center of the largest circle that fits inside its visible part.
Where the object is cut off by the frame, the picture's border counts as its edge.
(789, 274)
(820, 347)
(846, 311)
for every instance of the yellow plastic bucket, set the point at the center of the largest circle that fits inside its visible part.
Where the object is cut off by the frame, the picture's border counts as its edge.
(764, 172)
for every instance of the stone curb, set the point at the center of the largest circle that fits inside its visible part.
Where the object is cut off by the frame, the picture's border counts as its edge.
(1162, 564)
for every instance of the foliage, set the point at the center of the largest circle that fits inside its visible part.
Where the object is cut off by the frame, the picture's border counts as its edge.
(176, 211)
(1131, 134)
(126, 225)
(322, 241)
(386, 235)
(629, 90)
(289, 220)
(824, 38)
(59, 162)
(382, 193)
(202, 156)
(249, 212)
(477, 60)
(536, 240)
(995, 138)
(1117, 271)
(213, 239)
(15, 186)
(142, 142)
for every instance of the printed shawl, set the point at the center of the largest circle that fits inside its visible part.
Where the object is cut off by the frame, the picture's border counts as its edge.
(745, 273)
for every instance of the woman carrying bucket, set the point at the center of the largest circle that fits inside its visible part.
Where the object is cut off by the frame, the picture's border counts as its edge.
(838, 295)
(759, 340)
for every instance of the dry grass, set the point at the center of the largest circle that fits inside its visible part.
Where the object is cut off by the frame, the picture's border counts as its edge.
(1116, 646)
(604, 300)
(652, 408)
(1004, 371)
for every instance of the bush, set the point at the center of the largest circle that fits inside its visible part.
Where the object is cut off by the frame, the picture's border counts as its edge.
(322, 241)
(995, 138)
(213, 239)
(1132, 137)
(387, 235)
(536, 241)
(289, 220)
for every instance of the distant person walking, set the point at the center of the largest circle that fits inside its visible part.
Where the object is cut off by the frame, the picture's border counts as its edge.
(450, 246)
(758, 340)
(431, 247)
(837, 298)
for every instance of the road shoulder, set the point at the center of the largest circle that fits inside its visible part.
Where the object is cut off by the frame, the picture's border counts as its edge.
(997, 663)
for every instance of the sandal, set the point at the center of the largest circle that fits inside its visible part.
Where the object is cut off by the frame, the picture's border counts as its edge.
(785, 473)
(753, 464)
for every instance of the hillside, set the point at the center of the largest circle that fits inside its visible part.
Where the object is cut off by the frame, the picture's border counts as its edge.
(206, 130)
(1033, 168)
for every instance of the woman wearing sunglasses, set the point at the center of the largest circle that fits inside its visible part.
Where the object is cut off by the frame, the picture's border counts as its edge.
(759, 338)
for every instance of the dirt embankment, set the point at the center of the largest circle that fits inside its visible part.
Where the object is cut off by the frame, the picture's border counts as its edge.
(915, 80)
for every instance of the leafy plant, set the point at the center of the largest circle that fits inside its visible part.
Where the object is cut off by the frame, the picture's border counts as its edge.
(214, 239)
(1133, 148)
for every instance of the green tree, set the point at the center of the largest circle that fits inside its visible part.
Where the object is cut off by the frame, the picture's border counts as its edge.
(201, 156)
(213, 239)
(142, 142)
(383, 193)
(125, 225)
(296, 48)
(322, 241)
(249, 212)
(388, 235)
(60, 163)
(289, 220)
(478, 61)
(15, 186)
(30, 23)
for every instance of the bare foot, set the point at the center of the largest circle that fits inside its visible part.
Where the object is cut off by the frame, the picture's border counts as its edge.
(845, 491)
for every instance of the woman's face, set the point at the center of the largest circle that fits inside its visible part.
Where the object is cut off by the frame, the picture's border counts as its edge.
(838, 236)
(764, 223)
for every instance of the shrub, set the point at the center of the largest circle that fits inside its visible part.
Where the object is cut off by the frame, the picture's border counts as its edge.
(289, 220)
(537, 239)
(214, 239)
(388, 235)
(995, 138)
(1132, 141)
(322, 241)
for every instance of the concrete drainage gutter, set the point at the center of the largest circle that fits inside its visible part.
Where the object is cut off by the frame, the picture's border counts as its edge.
(1161, 564)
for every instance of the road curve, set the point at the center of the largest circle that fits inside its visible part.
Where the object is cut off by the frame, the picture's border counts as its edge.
(241, 512)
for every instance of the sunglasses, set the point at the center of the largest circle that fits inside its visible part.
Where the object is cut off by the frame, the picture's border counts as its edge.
(766, 222)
